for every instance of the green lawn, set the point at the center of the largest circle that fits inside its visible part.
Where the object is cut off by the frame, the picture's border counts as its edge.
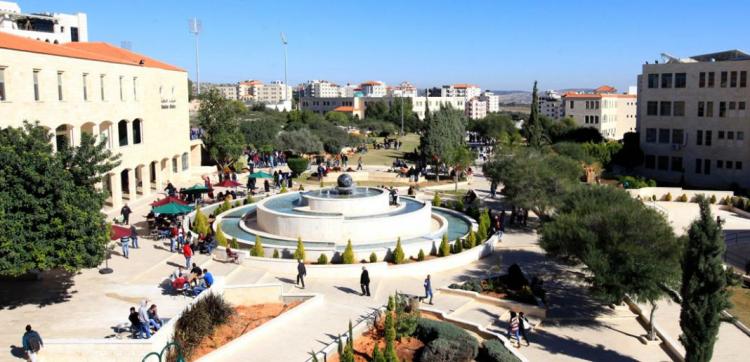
(386, 157)
(741, 304)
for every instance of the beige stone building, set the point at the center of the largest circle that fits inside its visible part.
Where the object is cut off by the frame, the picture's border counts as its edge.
(476, 108)
(137, 104)
(611, 113)
(354, 106)
(693, 119)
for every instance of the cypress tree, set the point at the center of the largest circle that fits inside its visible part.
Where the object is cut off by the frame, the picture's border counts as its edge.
(276, 253)
(377, 356)
(350, 341)
(445, 248)
(258, 247)
(436, 199)
(221, 239)
(234, 243)
(299, 254)
(390, 338)
(398, 253)
(704, 293)
(420, 256)
(532, 129)
(471, 240)
(373, 257)
(348, 256)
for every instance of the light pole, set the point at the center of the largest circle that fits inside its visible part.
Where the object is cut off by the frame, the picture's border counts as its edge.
(286, 85)
(195, 28)
(402, 113)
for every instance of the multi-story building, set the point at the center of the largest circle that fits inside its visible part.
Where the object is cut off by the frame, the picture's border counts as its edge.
(476, 108)
(272, 93)
(228, 91)
(354, 106)
(551, 105)
(47, 27)
(373, 88)
(611, 113)
(460, 90)
(493, 101)
(247, 90)
(420, 104)
(138, 105)
(693, 118)
(404, 89)
(320, 89)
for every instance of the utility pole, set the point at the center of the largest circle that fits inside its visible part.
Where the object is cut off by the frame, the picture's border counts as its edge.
(402, 112)
(286, 85)
(194, 26)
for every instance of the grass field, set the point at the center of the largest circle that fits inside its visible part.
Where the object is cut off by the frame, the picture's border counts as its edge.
(385, 157)
(741, 304)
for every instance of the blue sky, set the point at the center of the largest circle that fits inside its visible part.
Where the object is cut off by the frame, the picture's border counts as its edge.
(495, 44)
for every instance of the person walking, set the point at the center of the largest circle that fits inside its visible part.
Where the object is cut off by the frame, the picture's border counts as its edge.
(364, 282)
(513, 327)
(523, 325)
(124, 241)
(125, 212)
(427, 288)
(359, 164)
(134, 237)
(32, 344)
(188, 253)
(301, 273)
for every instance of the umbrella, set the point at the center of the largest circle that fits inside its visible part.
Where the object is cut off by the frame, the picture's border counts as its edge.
(168, 200)
(119, 231)
(260, 174)
(228, 183)
(172, 208)
(196, 189)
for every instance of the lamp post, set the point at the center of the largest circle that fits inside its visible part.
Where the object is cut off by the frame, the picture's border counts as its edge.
(195, 28)
(286, 85)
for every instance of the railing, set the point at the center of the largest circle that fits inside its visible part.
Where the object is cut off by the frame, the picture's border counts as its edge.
(736, 239)
(162, 356)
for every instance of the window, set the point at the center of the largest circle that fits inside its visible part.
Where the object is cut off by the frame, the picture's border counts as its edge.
(73, 34)
(698, 164)
(665, 109)
(720, 135)
(650, 161)
(740, 136)
(729, 164)
(733, 79)
(122, 132)
(135, 88)
(663, 163)
(730, 135)
(2, 84)
(738, 165)
(652, 108)
(722, 109)
(732, 106)
(36, 84)
(174, 165)
(572, 104)
(101, 87)
(596, 119)
(122, 95)
(185, 162)
(743, 79)
(663, 135)
(707, 141)
(85, 87)
(676, 163)
(706, 167)
(709, 109)
(651, 135)
(666, 80)
(678, 109)
(680, 80)
(719, 164)
(653, 81)
(678, 136)
(741, 106)
(701, 109)
(702, 80)
(59, 86)
(137, 135)
(711, 79)
(699, 138)
(723, 82)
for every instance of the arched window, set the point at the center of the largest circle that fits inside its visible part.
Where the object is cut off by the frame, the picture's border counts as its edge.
(137, 131)
(122, 132)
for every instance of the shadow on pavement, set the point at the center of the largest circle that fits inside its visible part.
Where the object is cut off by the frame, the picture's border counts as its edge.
(51, 287)
(574, 348)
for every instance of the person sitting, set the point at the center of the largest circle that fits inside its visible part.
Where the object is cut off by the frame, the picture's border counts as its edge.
(180, 284)
(207, 245)
(153, 318)
(135, 323)
(179, 272)
(195, 274)
(208, 281)
(151, 219)
(232, 256)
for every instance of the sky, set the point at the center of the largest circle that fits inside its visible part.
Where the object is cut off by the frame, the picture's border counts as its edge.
(499, 45)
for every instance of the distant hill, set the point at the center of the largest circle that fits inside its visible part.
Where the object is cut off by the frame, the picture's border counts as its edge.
(513, 96)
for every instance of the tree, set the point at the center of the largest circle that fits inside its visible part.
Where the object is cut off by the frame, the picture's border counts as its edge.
(322, 259)
(443, 131)
(483, 229)
(630, 155)
(398, 252)
(221, 239)
(460, 158)
(276, 254)
(493, 127)
(532, 128)
(704, 292)
(261, 132)
(436, 199)
(471, 240)
(377, 110)
(200, 222)
(258, 247)
(390, 338)
(299, 141)
(377, 356)
(626, 247)
(420, 256)
(411, 122)
(49, 207)
(190, 90)
(445, 247)
(219, 119)
(298, 165)
(299, 253)
(348, 256)
(338, 118)
(373, 257)
(234, 243)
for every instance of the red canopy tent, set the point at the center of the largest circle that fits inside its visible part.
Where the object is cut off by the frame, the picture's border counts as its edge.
(228, 183)
(119, 231)
(167, 200)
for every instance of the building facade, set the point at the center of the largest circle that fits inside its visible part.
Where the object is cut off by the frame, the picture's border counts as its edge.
(476, 108)
(420, 104)
(320, 89)
(493, 101)
(138, 105)
(460, 90)
(611, 113)
(273, 93)
(693, 119)
(47, 27)
(228, 91)
(373, 88)
(354, 106)
(551, 105)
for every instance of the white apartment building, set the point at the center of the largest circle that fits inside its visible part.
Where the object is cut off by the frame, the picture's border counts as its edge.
(272, 93)
(137, 104)
(47, 27)
(476, 108)
(611, 113)
(373, 88)
(460, 90)
(354, 106)
(228, 91)
(420, 104)
(246, 90)
(320, 89)
(404, 89)
(551, 105)
(693, 118)
(493, 101)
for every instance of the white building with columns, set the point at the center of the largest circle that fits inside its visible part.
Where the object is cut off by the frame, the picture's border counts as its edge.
(137, 104)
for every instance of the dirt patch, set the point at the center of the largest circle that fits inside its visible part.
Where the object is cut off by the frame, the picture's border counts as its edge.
(245, 319)
(406, 349)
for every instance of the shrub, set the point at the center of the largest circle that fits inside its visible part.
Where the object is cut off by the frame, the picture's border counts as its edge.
(458, 246)
(494, 351)
(473, 212)
(391, 306)
(249, 200)
(283, 189)
(348, 256)
(322, 259)
(390, 337)
(221, 239)
(200, 223)
(667, 197)
(712, 199)
(299, 254)
(225, 206)
(373, 257)
(436, 200)
(484, 226)
(258, 248)
(276, 253)
(458, 205)
(398, 253)
(445, 342)
(516, 279)
(420, 256)
(199, 320)
(473, 285)
(445, 248)
(298, 165)
(471, 240)
(682, 198)
(234, 244)
(446, 350)
(377, 356)
(630, 182)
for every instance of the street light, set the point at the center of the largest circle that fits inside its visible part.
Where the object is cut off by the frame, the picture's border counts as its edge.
(195, 27)
(286, 85)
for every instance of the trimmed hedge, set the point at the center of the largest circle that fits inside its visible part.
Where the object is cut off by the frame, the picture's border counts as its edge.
(298, 165)
(494, 351)
(445, 342)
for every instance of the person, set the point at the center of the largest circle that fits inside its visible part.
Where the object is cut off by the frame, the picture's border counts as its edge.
(266, 186)
(232, 256)
(135, 322)
(179, 272)
(364, 282)
(513, 329)
(359, 164)
(428, 288)
(153, 317)
(187, 251)
(523, 325)
(124, 241)
(178, 284)
(301, 273)
(493, 189)
(125, 212)
(143, 318)
(134, 236)
(195, 274)
(208, 281)
(170, 189)
(32, 343)
(151, 219)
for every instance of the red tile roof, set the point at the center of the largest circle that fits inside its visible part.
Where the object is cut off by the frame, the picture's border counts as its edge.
(344, 109)
(102, 52)
(464, 85)
(597, 96)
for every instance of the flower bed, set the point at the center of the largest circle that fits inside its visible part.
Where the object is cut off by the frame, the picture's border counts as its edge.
(513, 286)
